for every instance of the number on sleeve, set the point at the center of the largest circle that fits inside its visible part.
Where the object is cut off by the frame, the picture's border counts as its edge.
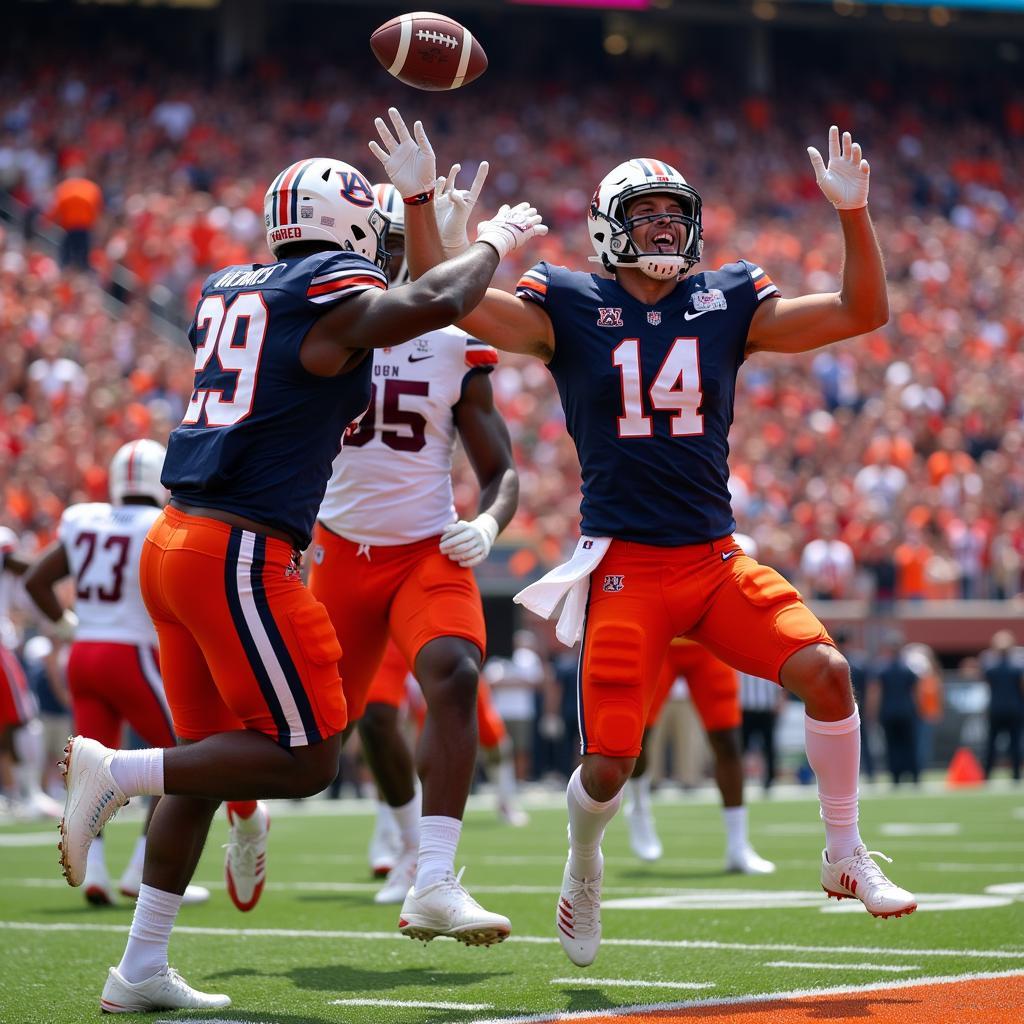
(676, 387)
(236, 334)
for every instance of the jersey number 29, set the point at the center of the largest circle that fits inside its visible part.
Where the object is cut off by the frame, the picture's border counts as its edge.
(676, 388)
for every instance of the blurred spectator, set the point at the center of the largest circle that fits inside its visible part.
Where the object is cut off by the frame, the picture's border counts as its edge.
(1003, 668)
(860, 675)
(516, 682)
(893, 698)
(678, 747)
(826, 564)
(929, 697)
(77, 203)
(761, 701)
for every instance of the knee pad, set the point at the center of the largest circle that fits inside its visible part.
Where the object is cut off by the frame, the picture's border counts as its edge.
(615, 666)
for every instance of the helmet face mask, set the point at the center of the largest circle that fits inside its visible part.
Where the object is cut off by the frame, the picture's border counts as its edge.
(391, 205)
(611, 229)
(325, 200)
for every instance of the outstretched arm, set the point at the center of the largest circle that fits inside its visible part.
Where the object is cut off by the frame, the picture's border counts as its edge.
(861, 305)
(489, 448)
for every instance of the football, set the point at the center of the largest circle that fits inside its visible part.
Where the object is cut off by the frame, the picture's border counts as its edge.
(428, 51)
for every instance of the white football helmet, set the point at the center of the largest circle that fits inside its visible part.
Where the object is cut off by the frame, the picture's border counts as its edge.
(390, 204)
(610, 228)
(325, 200)
(135, 472)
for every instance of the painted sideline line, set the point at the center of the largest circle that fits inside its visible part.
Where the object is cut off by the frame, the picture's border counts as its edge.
(543, 940)
(632, 983)
(650, 1009)
(833, 966)
(410, 1004)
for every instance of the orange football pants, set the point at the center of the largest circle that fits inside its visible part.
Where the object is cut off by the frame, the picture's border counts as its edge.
(714, 687)
(388, 687)
(641, 596)
(243, 643)
(410, 592)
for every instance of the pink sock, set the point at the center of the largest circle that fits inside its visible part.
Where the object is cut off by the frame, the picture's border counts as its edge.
(833, 752)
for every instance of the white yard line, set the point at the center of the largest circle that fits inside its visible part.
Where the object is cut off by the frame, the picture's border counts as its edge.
(833, 965)
(411, 1004)
(632, 983)
(28, 838)
(837, 990)
(543, 940)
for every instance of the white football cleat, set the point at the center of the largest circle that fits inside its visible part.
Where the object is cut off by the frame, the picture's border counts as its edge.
(97, 888)
(37, 806)
(446, 908)
(167, 990)
(400, 880)
(643, 836)
(245, 862)
(747, 862)
(859, 877)
(578, 917)
(93, 798)
(131, 879)
(385, 843)
(512, 815)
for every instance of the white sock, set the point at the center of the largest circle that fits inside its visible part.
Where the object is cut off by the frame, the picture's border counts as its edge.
(439, 839)
(833, 752)
(146, 952)
(506, 781)
(138, 854)
(638, 791)
(588, 819)
(735, 819)
(407, 821)
(95, 858)
(29, 742)
(139, 772)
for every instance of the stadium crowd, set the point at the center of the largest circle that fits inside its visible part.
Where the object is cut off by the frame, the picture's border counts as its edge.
(891, 466)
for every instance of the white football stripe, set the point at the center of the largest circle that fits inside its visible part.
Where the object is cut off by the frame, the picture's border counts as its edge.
(467, 50)
(632, 983)
(833, 965)
(403, 45)
(414, 1004)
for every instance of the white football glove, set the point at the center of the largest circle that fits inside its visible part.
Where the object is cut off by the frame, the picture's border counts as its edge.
(408, 160)
(469, 543)
(511, 228)
(65, 627)
(845, 180)
(453, 206)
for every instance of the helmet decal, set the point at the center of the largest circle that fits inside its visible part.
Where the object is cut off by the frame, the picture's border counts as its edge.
(356, 189)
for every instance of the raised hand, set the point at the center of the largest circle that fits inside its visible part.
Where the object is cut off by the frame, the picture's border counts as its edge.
(845, 181)
(511, 228)
(408, 159)
(453, 207)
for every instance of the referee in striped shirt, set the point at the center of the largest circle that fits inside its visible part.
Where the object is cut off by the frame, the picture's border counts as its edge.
(761, 700)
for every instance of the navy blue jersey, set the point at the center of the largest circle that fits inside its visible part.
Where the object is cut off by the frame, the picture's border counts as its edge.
(260, 432)
(648, 396)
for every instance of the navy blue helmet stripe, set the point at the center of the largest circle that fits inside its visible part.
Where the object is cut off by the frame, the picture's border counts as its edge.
(273, 197)
(295, 192)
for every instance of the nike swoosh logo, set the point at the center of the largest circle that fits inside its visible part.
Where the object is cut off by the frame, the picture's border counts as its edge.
(419, 359)
(726, 555)
(693, 316)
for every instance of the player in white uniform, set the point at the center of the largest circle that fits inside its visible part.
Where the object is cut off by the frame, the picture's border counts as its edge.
(22, 735)
(389, 559)
(113, 673)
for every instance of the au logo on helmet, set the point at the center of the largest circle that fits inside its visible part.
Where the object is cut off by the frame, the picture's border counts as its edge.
(356, 189)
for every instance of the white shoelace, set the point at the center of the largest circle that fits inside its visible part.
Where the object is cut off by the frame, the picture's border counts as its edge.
(871, 874)
(585, 898)
(243, 852)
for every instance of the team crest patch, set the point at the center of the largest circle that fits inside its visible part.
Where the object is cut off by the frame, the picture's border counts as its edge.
(654, 317)
(705, 301)
(613, 584)
(609, 317)
(306, 212)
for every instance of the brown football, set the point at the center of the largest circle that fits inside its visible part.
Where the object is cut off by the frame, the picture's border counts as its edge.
(429, 51)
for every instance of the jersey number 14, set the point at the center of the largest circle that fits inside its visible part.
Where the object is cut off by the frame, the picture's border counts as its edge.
(676, 388)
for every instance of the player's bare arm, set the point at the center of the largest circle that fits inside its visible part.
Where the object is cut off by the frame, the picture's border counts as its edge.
(47, 570)
(502, 320)
(861, 305)
(14, 565)
(489, 449)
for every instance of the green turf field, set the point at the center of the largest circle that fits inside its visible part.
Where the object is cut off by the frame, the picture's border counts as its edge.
(317, 949)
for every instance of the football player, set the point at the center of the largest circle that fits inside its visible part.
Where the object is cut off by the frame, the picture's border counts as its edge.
(390, 560)
(645, 359)
(249, 657)
(112, 669)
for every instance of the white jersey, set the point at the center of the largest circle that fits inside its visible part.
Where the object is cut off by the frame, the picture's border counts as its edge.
(8, 586)
(104, 545)
(392, 481)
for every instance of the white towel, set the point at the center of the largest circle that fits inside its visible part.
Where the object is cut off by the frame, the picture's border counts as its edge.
(569, 581)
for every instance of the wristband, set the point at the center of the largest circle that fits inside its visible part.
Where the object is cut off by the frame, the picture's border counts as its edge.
(418, 200)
